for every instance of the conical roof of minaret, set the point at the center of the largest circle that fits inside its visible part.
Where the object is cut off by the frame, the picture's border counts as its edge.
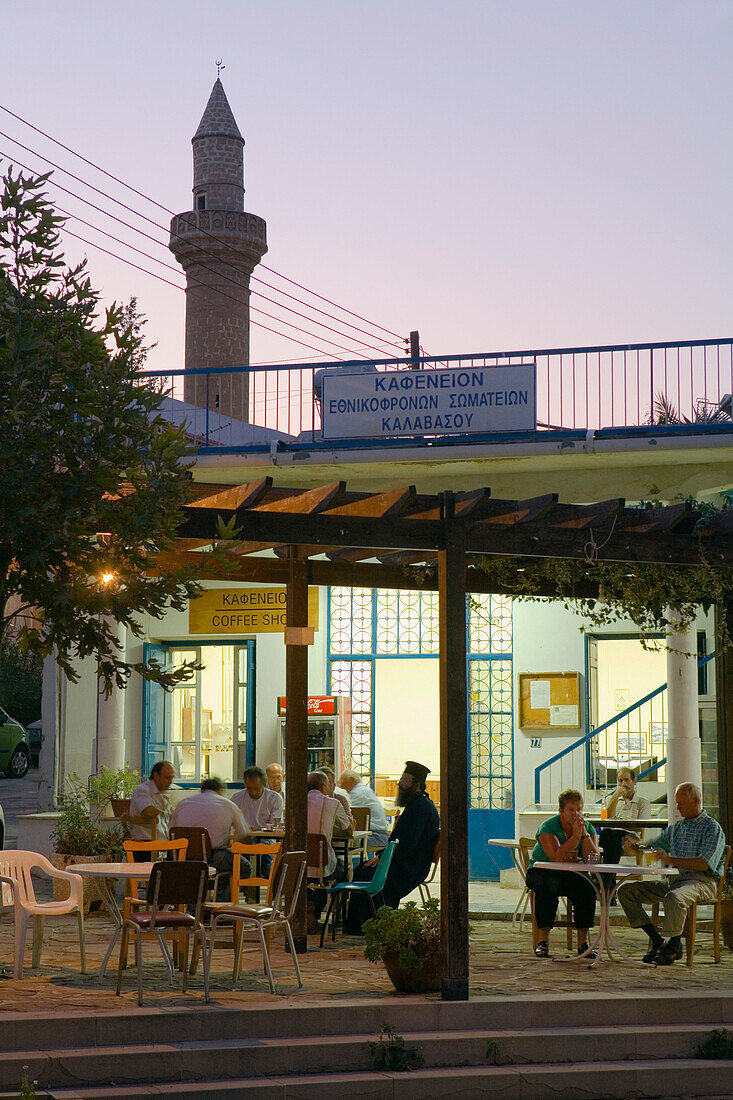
(218, 120)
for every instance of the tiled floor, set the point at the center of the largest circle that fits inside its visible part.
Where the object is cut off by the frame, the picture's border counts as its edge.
(501, 963)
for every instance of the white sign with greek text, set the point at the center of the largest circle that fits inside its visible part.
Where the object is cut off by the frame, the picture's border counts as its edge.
(464, 400)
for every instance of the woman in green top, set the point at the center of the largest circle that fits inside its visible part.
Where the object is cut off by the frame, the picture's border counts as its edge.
(565, 838)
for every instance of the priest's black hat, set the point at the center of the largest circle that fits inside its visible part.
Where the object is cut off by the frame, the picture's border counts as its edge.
(417, 771)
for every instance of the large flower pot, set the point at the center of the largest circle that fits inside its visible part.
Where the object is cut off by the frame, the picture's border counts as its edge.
(92, 891)
(726, 921)
(424, 978)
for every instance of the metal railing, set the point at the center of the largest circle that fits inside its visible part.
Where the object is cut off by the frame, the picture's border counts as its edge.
(635, 738)
(578, 389)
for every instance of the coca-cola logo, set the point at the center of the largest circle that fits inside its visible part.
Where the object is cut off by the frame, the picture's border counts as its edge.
(317, 704)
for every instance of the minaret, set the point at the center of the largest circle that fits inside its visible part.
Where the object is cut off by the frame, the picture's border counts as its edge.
(218, 246)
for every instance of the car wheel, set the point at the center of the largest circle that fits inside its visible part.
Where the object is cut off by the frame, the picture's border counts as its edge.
(18, 764)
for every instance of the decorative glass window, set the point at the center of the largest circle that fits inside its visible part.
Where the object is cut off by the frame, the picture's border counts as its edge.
(365, 624)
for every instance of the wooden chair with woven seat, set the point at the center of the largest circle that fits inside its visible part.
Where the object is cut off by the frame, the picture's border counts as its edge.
(181, 885)
(690, 930)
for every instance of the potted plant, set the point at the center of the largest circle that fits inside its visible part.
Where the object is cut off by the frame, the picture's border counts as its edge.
(407, 940)
(111, 788)
(78, 838)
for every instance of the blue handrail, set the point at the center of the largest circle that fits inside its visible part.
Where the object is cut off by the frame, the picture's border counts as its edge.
(599, 729)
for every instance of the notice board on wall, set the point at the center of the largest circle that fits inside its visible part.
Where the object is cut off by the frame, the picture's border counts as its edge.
(549, 700)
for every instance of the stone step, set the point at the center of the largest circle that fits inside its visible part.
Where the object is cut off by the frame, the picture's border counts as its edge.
(286, 1056)
(601, 1081)
(298, 1018)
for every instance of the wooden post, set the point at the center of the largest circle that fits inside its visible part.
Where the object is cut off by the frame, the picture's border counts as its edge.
(724, 716)
(296, 730)
(453, 757)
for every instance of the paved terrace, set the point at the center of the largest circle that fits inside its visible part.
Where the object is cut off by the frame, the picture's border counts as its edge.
(501, 964)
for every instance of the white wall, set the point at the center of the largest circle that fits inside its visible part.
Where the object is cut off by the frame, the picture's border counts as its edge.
(406, 714)
(80, 703)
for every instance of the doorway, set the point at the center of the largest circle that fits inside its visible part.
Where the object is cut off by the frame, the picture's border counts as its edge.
(206, 725)
(627, 705)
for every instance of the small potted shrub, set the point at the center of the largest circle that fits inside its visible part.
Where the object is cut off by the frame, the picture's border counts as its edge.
(80, 839)
(407, 940)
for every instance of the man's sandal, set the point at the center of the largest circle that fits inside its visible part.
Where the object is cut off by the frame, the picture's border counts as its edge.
(542, 950)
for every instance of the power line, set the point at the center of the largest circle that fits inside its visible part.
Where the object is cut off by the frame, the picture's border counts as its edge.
(154, 202)
(162, 244)
(217, 290)
(162, 279)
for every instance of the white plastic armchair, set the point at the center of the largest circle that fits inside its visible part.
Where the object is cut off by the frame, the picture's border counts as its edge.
(17, 890)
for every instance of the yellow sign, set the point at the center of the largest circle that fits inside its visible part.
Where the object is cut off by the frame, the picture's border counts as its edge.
(244, 610)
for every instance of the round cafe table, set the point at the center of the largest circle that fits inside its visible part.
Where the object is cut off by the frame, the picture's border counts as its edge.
(108, 873)
(594, 872)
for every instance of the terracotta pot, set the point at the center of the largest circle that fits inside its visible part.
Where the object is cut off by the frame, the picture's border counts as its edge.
(726, 921)
(91, 885)
(424, 978)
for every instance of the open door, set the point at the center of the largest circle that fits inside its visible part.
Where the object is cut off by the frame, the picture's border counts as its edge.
(154, 710)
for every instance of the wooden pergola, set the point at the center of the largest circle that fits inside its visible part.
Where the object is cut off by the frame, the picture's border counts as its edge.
(331, 536)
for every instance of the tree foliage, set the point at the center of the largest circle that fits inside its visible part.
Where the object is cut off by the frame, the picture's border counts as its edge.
(20, 682)
(92, 479)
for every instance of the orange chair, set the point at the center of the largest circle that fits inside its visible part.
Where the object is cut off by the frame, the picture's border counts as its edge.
(152, 849)
(261, 882)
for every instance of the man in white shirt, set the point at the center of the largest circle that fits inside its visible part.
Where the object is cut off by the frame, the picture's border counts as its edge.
(361, 795)
(149, 799)
(626, 805)
(213, 811)
(261, 808)
(625, 802)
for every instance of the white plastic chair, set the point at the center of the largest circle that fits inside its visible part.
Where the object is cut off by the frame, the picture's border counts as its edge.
(17, 892)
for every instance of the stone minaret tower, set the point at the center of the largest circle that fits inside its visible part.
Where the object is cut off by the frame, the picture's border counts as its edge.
(218, 246)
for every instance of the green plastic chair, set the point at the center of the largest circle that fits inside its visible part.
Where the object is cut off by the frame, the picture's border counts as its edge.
(370, 889)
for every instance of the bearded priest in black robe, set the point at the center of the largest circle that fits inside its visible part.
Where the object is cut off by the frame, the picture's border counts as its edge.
(417, 829)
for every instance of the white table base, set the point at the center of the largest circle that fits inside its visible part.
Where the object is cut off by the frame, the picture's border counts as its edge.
(605, 939)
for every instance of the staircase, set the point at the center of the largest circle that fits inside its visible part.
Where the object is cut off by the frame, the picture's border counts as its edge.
(518, 1048)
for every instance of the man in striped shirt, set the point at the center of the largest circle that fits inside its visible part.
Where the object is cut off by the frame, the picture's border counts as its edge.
(695, 847)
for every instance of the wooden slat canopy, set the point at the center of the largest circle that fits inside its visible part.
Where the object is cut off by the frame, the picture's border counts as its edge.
(400, 527)
(330, 536)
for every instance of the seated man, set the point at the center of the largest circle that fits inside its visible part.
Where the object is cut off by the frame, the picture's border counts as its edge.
(261, 807)
(149, 800)
(361, 795)
(695, 846)
(336, 792)
(276, 778)
(417, 828)
(216, 813)
(326, 815)
(626, 804)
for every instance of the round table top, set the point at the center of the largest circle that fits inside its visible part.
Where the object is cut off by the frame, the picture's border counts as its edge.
(504, 842)
(619, 869)
(626, 822)
(113, 870)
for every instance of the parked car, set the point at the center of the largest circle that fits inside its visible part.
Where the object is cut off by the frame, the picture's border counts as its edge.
(35, 740)
(15, 753)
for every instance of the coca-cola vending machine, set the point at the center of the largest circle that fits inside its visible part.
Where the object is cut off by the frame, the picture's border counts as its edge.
(329, 731)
